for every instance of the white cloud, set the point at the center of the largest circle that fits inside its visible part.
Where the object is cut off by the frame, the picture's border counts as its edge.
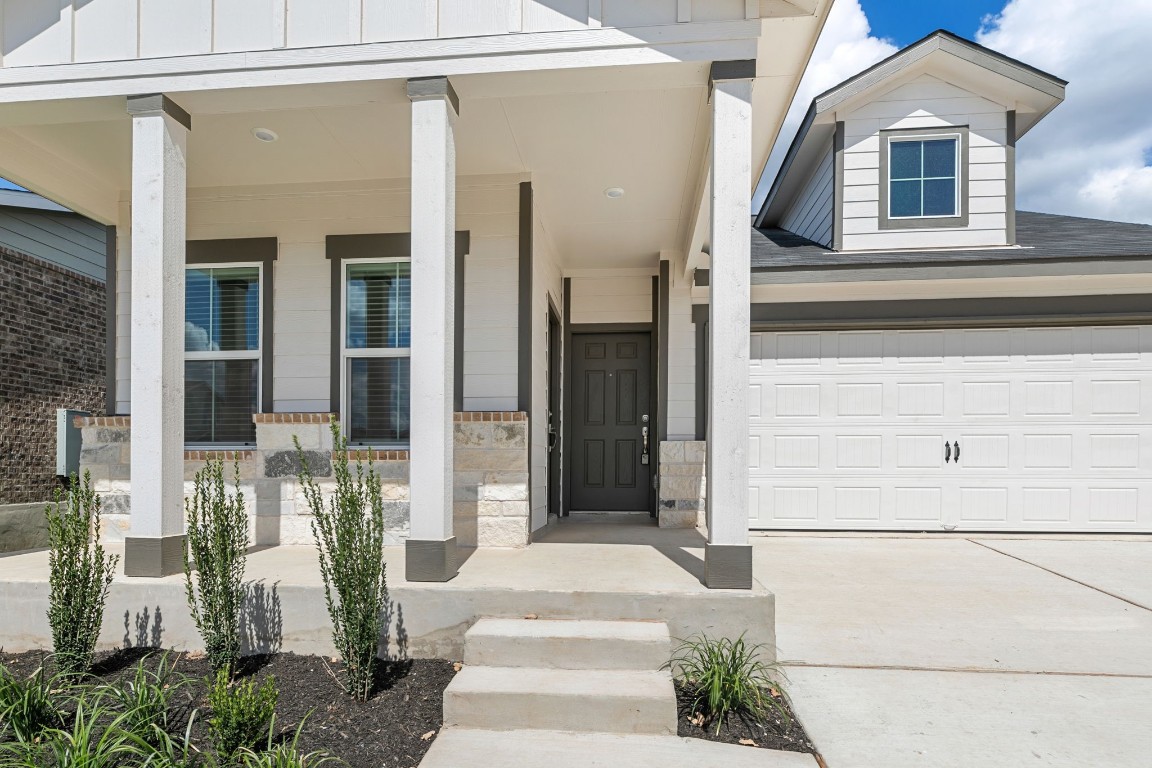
(1089, 156)
(846, 47)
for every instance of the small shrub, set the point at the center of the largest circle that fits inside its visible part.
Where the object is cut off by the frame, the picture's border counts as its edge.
(79, 575)
(242, 715)
(726, 677)
(349, 533)
(217, 544)
(145, 699)
(28, 707)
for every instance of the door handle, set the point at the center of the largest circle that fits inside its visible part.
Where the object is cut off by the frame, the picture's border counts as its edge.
(947, 452)
(956, 446)
(551, 438)
(644, 450)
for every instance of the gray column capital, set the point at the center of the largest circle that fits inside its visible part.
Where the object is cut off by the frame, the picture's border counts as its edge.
(158, 104)
(431, 88)
(737, 69)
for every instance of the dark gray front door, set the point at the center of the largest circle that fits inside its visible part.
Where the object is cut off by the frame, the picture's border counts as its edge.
(611, 393)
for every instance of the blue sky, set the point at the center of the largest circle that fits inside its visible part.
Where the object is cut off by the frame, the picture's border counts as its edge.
(906, 21)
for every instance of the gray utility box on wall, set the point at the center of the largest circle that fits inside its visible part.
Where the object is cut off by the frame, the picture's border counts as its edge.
(68, 442)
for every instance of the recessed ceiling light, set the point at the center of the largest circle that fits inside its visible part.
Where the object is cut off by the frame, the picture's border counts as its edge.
(614, 193)
(265, 134)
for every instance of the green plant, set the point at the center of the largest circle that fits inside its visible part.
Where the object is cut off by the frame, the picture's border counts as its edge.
(96, 739)
(725, 677)
(217, 544)
(28, 707)
(349, 533)
(242, 714)
(157, 748)
(146, 698)
(79, 575)
(283, 755)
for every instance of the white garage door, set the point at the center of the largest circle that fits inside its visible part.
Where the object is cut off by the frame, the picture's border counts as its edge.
(861, 429)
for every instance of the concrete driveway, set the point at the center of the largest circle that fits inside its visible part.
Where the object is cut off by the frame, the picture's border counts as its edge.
(933, 652)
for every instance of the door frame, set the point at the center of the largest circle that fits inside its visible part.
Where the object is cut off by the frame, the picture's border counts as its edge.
(572, 329)
(555, 458)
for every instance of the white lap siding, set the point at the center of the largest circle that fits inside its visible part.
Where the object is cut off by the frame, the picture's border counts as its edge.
(301, 217)
(926, 102)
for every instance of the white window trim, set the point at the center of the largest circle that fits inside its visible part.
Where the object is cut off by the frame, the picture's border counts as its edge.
(955, 175)
(347, 354)
(245, 354)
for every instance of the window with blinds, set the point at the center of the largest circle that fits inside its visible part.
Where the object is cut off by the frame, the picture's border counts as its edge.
(221, 354)
(376, 351)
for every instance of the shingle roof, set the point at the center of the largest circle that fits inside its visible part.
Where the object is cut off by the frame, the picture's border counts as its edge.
(1039, 236)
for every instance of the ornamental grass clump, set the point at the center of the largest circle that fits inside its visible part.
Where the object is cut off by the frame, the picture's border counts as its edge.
(216, 548)
(349, 533)
(28, 706)
(725, 677)
(79, 576)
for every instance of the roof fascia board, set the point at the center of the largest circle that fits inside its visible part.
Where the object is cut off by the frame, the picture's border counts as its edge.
(789, 160)
(705, 41)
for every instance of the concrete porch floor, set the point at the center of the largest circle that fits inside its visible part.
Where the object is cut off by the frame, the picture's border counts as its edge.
(595, 567)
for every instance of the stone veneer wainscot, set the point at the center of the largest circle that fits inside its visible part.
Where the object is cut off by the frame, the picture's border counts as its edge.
(491, 504)
(682, 483)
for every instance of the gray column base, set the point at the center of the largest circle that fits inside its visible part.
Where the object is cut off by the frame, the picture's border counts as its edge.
(153, 556)
(728, 566)
(430, 560)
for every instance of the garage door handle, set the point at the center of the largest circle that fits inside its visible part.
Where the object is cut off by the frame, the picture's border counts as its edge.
(947, 452)
(956, 445)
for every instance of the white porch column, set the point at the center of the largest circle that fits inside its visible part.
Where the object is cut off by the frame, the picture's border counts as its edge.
(430, 553)
(727, 555)
(159, 170)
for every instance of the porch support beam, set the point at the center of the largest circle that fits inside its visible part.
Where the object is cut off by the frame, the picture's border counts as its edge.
(430, 552)
(159, 187)
(728, 556)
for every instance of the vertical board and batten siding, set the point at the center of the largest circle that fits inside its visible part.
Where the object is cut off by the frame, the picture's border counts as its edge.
(926, 102)
(811, 214)
(38, 32)
(301, 218)
(64, 239)
(681, 345)
(616, 297)
(548, 285)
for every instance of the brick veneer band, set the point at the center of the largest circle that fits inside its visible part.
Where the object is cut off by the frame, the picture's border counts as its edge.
(219, 455)
(371, 455)
(102, 421)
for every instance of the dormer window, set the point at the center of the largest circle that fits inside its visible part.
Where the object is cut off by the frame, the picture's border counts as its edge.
(923, 178)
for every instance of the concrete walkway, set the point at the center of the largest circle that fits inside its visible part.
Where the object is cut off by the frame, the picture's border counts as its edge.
(940, 652)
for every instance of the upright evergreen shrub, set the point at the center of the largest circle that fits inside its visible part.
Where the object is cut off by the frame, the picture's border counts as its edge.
(79, 575)
(216, 549)
(349, 533)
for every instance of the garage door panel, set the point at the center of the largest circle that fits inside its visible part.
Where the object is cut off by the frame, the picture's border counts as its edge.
(1054, 427)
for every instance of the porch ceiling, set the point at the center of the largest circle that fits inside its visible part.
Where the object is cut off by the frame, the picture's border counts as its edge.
(577, 132)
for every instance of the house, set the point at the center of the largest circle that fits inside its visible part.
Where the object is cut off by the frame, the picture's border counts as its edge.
(52, 355)
(464, 229)
(924, 356)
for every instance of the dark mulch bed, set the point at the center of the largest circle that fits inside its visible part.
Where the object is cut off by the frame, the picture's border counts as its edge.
(776, 732)
(384, 732)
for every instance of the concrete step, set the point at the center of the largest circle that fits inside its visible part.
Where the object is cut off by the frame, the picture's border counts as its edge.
(567, 644)
(467, 748)
(514, 698)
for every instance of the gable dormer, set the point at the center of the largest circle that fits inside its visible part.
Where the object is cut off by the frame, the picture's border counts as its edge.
(916, 153)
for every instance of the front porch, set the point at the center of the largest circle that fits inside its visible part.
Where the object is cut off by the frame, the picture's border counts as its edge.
(588, 567)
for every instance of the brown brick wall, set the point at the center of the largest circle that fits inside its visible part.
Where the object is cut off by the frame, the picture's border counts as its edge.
(52, 336)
